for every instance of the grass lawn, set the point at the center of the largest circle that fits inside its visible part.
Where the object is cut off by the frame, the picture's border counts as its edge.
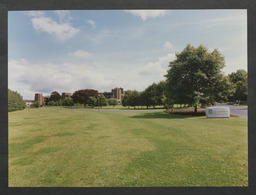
(76, 148)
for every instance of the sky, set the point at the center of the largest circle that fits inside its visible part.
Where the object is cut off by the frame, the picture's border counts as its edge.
(65, 51)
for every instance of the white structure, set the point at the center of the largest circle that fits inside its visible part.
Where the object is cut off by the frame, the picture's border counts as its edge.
(217, 112)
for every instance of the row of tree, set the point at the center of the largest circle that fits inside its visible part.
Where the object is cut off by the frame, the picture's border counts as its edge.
(194, 78)
(87, 97)
(153, 96)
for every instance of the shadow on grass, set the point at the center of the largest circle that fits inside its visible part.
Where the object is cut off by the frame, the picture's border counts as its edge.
(159, 115)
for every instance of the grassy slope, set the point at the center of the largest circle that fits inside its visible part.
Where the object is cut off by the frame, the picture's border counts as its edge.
(57, 147)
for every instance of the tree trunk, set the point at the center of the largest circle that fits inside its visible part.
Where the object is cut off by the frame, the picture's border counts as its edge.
(196, 109)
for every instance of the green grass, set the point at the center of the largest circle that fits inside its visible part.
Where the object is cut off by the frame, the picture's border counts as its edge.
(76, 148)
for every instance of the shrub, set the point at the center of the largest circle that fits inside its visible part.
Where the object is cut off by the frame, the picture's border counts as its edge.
(15, 101)
(68, 101)
(35, 105)
(92, 101)
(51, 103)
(112, 102)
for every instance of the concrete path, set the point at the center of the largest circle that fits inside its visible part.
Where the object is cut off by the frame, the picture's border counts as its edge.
(236, 110)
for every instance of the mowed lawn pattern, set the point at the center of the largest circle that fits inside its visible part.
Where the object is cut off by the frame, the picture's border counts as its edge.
(76, 148)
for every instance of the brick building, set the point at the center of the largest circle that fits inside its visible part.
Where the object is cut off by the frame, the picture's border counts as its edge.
(116, 93)
(39, 98)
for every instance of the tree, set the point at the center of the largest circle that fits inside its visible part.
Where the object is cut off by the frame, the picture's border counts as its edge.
(15, 101)
(55, 96)
(51, 103)
(112, 102)
(153, 94)
(125, 99)
(195, 77)
(240, 85)
(102, 101)
(35, 105)
(240, 91)
(82, 96)
(68, 101)
(131, 98)
(239, 75)
(92, 101)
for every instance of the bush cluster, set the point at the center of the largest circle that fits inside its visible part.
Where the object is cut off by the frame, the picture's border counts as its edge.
(15, 101)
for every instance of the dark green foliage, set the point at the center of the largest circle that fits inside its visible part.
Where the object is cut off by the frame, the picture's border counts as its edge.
(102, 101)
(15, 101)
(51, 103)
(239, 75)
(153, 95)
(35, 105)
(131, 98)
(195, 77)
(82, 96)
(55, 96)
(240, 85)
(92, 101)
(112, 102)
(68, 101)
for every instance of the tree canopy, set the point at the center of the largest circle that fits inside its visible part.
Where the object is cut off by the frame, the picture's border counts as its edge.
(82, 96)
(240, 85)
(112, 102)
(55, 96)
(195, 77)
(131, 98)
(15, 101)
(153, 95)
(102, 101)
(68, 101)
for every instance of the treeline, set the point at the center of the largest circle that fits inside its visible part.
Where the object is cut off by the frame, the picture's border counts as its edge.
(15, 101)
(152, 96)
(195, 79)
(86, 97)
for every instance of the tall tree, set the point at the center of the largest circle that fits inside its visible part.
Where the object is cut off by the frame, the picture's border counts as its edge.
(102, 101)
(131, 98)
(153, 94)
(240, 85)
(112, 102)
(195, 77)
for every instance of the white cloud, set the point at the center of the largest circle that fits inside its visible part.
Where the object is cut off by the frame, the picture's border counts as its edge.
(62, 32)
(168, 45)
(157, 69)
(81, 54)
(145, 14)
(93, 23)
(28, 78)
(62, 15)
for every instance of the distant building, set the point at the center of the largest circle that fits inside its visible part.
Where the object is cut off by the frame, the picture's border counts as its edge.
(28, 102)
(39, 98)
(116, 93)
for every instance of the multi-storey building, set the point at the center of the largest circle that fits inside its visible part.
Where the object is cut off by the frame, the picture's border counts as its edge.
(116, 93)
(39, 98)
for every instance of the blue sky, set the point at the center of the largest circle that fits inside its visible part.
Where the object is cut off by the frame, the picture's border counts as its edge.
(103, 49)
